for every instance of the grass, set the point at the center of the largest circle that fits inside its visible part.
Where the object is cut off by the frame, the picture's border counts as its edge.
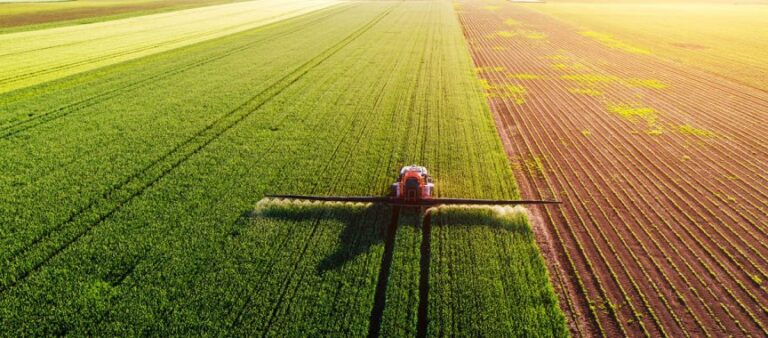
(586, 91)
(516, 92)
(535, 166)
(688, 129)
(717, 36)
(647, 83)
(127, 186)
(524, 76)
(633, 112)
(506, 34)
(590, 78)
(611, 42)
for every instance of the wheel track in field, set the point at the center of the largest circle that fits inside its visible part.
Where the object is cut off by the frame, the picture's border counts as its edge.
(284, 240)
(286, 286)
(136, 184)
(664, 237)
(240, 313)
(250, 294)
(9, 129)
(20, 249)
(337, 177)
(196, 64)
(380, 295)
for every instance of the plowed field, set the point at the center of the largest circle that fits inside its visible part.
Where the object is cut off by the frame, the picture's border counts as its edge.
(662, 170)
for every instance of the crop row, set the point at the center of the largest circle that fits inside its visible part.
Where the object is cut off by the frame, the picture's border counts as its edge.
(111, 83)
(620, 210)
(269, 149)
(470, 244)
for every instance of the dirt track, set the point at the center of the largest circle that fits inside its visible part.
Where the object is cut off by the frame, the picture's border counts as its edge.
(663, 171)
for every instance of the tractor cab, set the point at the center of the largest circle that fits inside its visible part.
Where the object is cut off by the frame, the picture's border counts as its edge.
(413, 184)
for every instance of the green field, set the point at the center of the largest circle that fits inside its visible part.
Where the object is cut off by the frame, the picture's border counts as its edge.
(129, 193)
(37, 56)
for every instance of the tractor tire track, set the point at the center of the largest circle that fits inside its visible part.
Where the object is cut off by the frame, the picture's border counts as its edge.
(359, 119)
(426, 257)
(121, 194)
(238, 321)
(282, 242)
(380, 296)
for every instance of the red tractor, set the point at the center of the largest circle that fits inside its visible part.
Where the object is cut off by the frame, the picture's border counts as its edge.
(414, 188)
(413, 184)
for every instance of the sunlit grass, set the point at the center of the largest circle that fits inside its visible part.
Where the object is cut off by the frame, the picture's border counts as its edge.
(506, 34)
(589, 78)
(505, 91)
(524, 76)
(636, 112)
(586, 91)
(489, 69)
(691, 130)
(647, 83)
(611, 42)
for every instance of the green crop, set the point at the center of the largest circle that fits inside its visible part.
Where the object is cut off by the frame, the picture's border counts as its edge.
(129, 194)
(33, 57)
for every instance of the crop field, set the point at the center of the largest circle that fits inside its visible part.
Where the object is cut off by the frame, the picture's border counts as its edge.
(662, 167)
(133, 170)
(38, 56)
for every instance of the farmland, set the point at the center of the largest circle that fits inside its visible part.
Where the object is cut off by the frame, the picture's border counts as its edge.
(715, 36)
(131, 188)
(661, 165)
(18, 15)
(37, 56)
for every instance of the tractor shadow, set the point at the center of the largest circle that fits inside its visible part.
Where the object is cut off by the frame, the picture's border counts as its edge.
(363, 225)
(367, 225)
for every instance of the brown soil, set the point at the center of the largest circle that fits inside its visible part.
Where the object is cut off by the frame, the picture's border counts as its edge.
(663, 229)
